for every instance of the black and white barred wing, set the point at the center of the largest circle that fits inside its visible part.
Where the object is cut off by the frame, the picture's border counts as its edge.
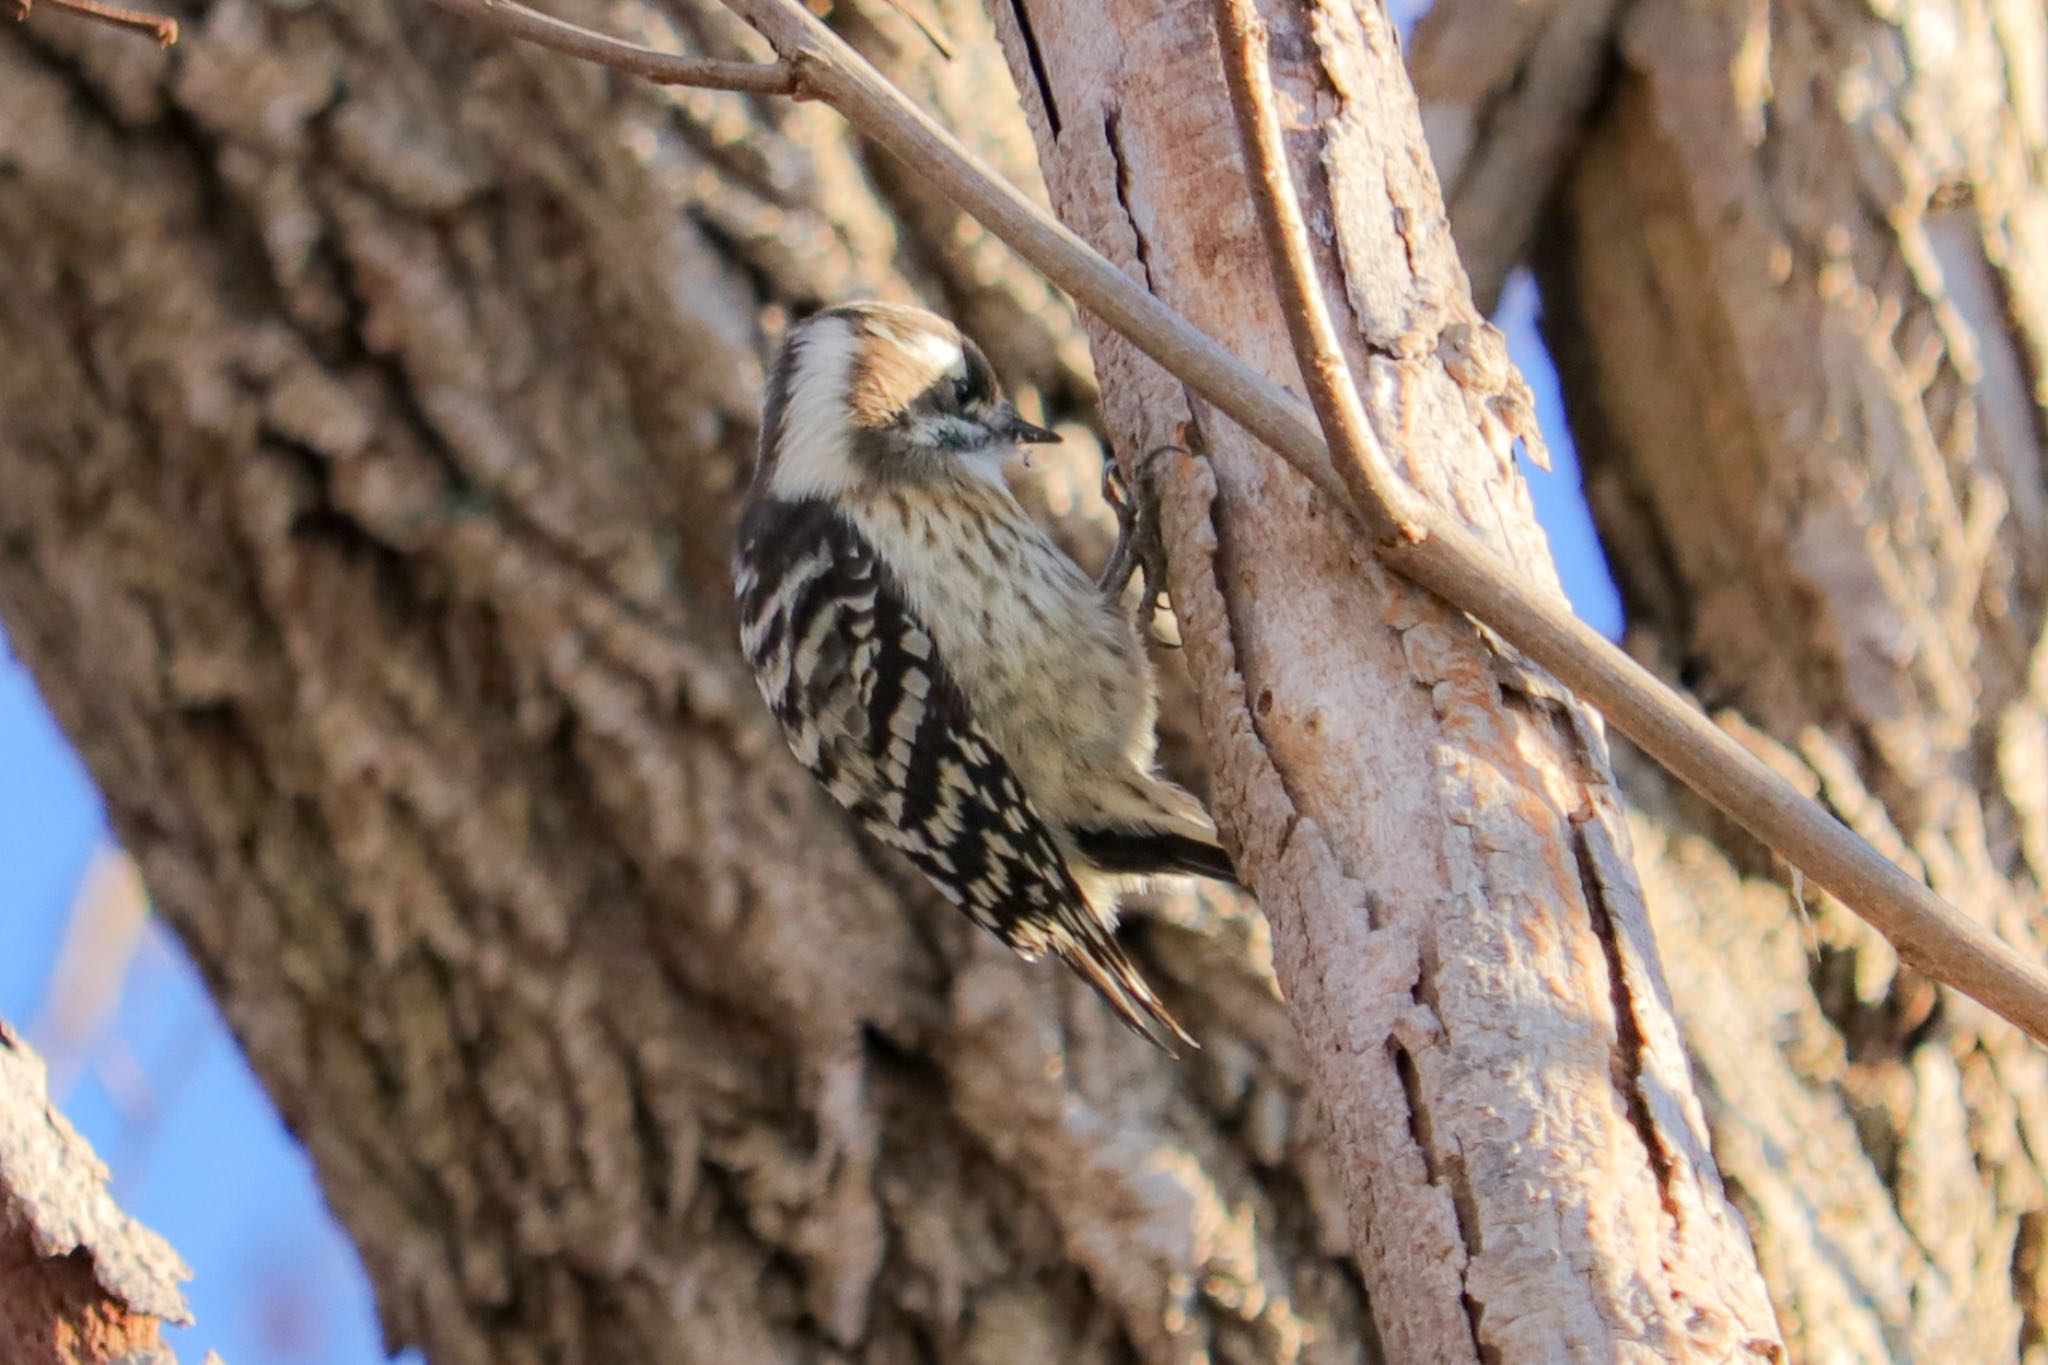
(868, 706)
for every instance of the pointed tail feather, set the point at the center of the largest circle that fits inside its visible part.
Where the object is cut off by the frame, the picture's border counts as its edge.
(1096, 955)
(1149, 852)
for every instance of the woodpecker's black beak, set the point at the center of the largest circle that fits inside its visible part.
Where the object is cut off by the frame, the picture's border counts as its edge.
(1015, 428)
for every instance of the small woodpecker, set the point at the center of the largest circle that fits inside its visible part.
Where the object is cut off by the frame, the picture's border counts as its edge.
(943, 668)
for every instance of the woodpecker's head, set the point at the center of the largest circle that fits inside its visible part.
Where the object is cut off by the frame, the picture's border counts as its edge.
(875, 393)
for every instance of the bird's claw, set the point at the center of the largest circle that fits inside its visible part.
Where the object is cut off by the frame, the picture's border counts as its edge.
(1139, 550)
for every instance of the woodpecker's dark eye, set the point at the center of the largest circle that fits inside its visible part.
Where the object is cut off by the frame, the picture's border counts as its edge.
(975, 383)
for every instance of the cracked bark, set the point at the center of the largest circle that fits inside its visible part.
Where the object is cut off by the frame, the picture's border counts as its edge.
(1466, 945)
(375, 401)
(1794, 284)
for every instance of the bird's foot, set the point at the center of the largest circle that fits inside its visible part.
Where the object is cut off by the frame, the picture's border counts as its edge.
(1139, 551)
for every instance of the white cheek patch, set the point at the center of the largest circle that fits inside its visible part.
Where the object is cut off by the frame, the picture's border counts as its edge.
(964, 442)
(815, 457)
(946, 432)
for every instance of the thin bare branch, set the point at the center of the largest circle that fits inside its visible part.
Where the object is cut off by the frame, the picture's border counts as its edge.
(663, 68)
(158, 26)
(1930, 935)
(841, 77)
(1380, 495)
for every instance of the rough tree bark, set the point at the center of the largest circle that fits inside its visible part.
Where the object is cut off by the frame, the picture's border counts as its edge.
(374, 399)
(1794, 281)
(81, 1283)
(1403, 792)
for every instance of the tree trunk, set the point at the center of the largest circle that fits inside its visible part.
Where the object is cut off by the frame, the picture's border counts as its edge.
(81, 1283)
(376, 399)
(1429, 822)
(1795, 284)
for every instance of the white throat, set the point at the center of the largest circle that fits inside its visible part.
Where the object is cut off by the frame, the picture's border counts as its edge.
(987, 464)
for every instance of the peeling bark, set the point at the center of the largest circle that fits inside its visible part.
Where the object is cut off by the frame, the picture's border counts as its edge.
(1795, 289)
(81, 1283)
(1430, 824)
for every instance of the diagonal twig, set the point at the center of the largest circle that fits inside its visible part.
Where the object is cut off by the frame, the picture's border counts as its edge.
(833, 72)
(161, 27)
(1428, 547)
(663, 68)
